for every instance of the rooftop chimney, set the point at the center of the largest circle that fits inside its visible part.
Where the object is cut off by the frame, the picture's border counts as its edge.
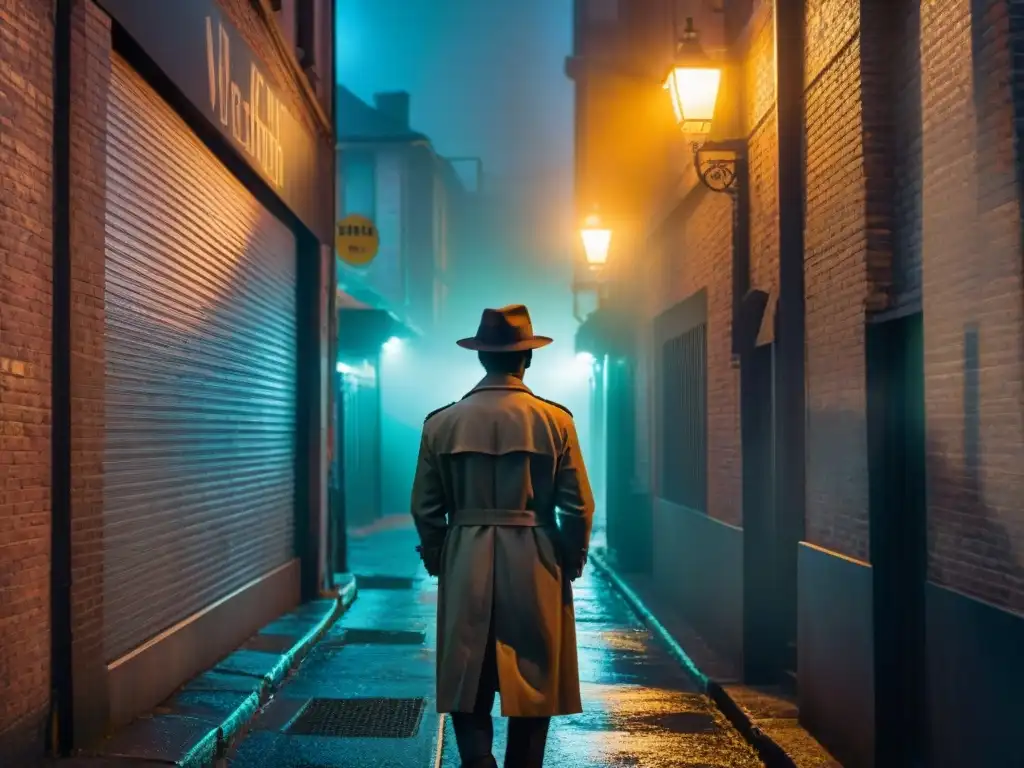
(395, 105)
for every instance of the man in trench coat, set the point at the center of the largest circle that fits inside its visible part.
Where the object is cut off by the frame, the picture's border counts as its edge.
(503, 508)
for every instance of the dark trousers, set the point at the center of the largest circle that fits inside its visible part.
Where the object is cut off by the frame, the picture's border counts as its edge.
(474, 731)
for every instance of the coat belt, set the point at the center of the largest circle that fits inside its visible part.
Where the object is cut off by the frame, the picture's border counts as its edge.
(519, 518)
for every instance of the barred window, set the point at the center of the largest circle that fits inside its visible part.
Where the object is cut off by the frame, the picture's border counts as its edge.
(684, 453)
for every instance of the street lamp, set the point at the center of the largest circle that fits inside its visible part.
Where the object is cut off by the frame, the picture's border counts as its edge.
(597, 239)
(693, 84)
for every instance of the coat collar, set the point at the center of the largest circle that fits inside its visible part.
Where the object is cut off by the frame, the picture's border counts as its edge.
(499, 381)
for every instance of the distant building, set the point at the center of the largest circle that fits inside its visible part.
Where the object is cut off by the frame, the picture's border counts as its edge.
(392, 175)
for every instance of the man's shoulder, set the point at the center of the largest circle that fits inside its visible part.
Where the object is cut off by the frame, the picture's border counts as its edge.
(553, 404)
(436, 411)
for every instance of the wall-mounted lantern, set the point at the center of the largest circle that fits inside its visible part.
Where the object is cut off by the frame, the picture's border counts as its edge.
(693, 83)
(597, 240)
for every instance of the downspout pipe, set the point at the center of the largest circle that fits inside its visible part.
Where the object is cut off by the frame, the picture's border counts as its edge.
(790, 450)
(740, 249)
(338, 510)
(61, 727)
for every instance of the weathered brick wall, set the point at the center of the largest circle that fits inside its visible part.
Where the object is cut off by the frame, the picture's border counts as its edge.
(699, 255)
(763, 156)
(972, 289)
(90, 69)
(837, 285)
(25, 320)
(905, 74)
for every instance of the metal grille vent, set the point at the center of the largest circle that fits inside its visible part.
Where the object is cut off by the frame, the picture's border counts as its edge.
(382, 637)
(383, 582)
(360, 718)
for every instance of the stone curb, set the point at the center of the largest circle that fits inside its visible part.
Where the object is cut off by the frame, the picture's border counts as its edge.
(773, 755)
(214, 746)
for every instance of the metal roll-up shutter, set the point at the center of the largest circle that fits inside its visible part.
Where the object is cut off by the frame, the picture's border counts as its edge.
(199, 474)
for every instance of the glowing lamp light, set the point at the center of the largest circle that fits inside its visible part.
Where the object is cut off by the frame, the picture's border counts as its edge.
(694, 91)
(596, 241)
(392, 345)
(693, 85)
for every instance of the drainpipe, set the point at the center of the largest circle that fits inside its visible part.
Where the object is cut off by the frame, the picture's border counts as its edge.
(61, 703)
(740, 247)
(790, 402)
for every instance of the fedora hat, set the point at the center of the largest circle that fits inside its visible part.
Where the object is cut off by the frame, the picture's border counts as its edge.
(507, 329)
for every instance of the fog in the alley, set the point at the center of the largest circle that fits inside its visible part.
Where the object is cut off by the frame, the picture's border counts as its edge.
(647, 374)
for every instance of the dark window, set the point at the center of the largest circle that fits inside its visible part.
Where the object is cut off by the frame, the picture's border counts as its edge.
(684, 386)
(305, 32)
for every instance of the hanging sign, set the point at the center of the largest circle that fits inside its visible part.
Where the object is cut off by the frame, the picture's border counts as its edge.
(357, 240)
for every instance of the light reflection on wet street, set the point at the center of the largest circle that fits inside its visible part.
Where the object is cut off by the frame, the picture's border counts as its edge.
(640, 709)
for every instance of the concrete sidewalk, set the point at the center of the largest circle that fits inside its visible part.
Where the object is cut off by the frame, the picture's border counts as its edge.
(196, 726)
(364, 697)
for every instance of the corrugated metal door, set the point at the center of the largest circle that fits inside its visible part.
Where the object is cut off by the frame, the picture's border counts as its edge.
(199, 474)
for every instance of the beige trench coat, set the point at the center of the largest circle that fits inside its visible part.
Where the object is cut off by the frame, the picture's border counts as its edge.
(492, 470)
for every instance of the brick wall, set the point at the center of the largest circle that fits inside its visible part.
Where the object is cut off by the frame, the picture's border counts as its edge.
(972, 299)
(694, 251)
(698, 254)
(906, 156)
(25, 321)
(837, 285)
(763, 153)
(90, 68)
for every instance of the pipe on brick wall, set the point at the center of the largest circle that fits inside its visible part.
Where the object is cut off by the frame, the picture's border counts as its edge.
(61, 707)
(789, 449)
(740, 247)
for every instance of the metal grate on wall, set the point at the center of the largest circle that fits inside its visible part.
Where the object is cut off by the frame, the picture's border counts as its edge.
(684, 453)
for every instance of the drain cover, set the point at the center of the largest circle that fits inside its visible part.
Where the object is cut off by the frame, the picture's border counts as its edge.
(360, 718)
(383, 582)
(382, 637)
(684, 722)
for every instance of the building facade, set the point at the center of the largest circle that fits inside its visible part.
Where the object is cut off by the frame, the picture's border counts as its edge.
(826, 383)
(390, 174)
(167, 224)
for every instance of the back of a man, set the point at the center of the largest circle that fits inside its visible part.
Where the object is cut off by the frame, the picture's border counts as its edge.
(503, 507)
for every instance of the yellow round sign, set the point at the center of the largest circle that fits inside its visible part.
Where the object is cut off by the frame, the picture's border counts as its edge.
(357, 240)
